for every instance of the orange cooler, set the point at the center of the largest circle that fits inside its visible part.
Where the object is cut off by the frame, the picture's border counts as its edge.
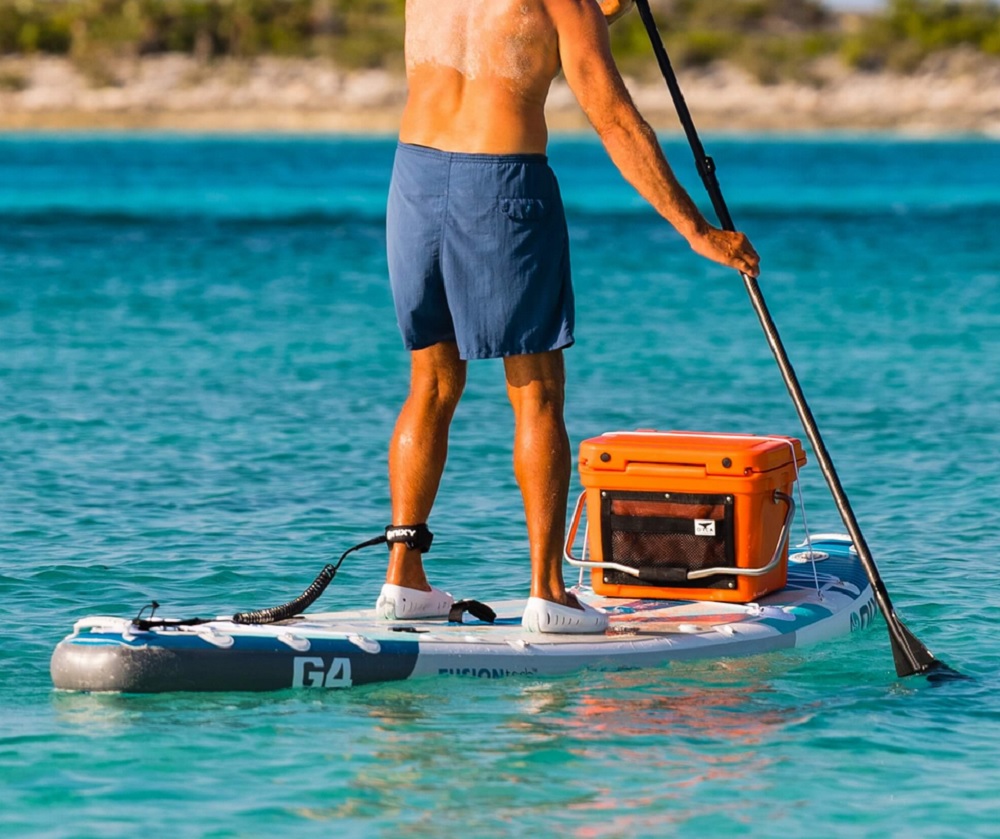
(671, 504)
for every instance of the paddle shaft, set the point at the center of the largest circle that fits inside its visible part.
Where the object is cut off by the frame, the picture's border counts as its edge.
(910, 656)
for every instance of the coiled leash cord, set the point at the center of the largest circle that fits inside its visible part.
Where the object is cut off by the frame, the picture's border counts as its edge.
(414, 536)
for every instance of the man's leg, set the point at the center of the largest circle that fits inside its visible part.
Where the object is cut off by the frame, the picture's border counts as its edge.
(536, 387)
(419, 449)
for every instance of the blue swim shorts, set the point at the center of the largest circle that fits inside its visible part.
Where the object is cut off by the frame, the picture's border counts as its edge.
(478, 253)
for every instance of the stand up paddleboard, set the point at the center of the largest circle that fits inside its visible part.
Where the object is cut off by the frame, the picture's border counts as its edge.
(343, 649)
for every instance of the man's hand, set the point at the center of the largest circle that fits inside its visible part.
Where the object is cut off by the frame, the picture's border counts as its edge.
(728, 248)
(614, 9)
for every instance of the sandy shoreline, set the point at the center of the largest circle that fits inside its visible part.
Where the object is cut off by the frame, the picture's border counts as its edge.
(177, 93)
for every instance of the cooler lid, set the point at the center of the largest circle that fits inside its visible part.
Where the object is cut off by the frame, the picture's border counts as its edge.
(717, 453)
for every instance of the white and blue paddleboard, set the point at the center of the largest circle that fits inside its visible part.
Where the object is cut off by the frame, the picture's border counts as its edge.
(343, 649)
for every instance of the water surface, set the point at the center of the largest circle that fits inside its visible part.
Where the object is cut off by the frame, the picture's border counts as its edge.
(199, 371)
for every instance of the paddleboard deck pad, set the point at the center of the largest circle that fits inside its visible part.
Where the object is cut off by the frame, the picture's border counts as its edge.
(343, 649)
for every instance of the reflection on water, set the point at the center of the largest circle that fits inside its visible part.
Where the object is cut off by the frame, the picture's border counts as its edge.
(592, 749)
(630, 708)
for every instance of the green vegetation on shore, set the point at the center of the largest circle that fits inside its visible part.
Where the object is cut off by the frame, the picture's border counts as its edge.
(773, 39)
(354, 33)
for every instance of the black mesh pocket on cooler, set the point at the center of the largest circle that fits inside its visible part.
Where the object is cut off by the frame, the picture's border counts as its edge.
(675, 530)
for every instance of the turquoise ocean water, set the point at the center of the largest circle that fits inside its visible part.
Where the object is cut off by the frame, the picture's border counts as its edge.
(199, 370)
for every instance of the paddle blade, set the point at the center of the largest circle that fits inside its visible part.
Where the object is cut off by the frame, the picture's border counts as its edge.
(913, 658)
(940, 672)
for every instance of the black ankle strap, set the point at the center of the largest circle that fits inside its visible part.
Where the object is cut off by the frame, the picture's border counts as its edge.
(414, 536)
(478, 610)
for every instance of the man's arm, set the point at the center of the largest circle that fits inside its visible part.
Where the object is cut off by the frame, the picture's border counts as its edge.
(585, 54)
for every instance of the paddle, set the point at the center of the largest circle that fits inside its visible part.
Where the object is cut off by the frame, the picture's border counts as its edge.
(910, 656)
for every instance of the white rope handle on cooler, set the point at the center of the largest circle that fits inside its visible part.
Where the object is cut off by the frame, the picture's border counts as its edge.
(802, 506)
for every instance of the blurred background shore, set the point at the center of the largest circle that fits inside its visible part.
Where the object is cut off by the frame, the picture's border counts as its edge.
(913, 66)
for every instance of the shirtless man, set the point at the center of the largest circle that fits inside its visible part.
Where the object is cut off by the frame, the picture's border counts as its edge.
(479, 259)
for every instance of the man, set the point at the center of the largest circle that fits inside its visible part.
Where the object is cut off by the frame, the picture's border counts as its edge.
(479, 259)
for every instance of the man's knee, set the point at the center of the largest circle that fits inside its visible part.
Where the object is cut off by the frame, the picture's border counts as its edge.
(536, 382)
(437, 392)
(438, 377)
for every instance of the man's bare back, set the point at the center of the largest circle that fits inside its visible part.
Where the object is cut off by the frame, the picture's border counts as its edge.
(479, 72)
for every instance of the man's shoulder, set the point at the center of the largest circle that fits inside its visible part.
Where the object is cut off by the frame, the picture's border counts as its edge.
(574, 11)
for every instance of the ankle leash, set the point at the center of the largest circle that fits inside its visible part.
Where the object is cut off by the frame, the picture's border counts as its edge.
(415, 536)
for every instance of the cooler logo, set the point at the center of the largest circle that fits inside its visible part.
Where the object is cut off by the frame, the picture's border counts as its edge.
(312, 672)
(704, 527)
